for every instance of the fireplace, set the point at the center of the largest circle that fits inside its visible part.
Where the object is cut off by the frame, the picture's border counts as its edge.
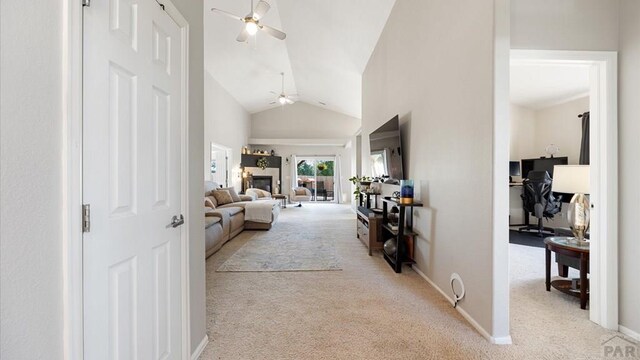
(263, 182)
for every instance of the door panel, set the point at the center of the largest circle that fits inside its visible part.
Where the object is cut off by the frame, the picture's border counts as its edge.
(131, 178)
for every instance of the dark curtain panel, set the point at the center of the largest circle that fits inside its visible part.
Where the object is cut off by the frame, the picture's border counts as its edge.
(584, 145)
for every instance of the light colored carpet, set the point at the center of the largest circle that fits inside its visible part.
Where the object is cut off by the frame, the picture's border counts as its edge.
(288, 247)
(367, 311)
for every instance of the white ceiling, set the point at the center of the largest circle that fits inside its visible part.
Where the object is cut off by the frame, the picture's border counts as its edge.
(538, 86)
(328, 45)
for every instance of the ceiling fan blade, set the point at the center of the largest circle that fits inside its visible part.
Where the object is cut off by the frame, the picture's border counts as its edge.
(243, 36)
(228, 14)
(273, 103)
(289, 101)
(261, 9)
(273, 32)
(274, 93)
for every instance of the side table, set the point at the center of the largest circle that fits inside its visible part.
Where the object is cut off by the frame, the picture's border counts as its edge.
(281, 197)
(567, 246)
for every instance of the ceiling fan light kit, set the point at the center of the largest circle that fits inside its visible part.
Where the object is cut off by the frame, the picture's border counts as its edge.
(282, 99)
(252, 22)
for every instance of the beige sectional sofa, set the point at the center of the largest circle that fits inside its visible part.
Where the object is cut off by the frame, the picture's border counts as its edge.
(224, 222)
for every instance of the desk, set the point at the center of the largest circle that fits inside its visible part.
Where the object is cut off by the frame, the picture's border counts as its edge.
(516, 202)
(565, 246)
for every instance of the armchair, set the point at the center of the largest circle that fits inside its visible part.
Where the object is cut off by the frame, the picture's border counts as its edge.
(300, 194)
(539, 201)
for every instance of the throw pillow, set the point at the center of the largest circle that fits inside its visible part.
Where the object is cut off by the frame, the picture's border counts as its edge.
(208, 203)
(232, 192)
(222, 197)
(213, 200)
(301, 192)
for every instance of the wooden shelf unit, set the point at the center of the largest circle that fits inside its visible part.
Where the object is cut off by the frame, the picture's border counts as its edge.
(404, 235)
(368, 228)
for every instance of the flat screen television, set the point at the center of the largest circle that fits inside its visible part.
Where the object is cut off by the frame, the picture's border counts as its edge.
(385, 144)
(542, 164)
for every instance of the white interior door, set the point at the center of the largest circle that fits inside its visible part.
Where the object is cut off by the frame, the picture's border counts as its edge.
(131, 179)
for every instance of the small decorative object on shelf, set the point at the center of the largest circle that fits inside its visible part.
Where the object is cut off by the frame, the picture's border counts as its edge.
(273, 152)
(406, 191)
(262, 163)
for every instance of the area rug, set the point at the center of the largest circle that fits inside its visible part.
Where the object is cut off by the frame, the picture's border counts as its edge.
(526, 239)
(283, 249)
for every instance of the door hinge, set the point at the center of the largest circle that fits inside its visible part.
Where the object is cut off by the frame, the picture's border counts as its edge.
(86, 217)
(86, 2)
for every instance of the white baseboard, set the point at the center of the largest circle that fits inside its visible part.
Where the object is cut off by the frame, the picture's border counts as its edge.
(505, 340)
(198, 351)
(630, 333)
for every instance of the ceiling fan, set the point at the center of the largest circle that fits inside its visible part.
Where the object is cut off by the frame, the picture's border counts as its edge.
(252, 22)
(282, 99)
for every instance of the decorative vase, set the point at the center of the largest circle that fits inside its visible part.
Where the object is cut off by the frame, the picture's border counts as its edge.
(406, 191)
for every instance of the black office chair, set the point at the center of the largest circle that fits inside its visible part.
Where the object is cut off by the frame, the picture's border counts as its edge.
(539, 201)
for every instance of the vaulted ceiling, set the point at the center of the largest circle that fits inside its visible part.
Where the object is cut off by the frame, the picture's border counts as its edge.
(327, 48)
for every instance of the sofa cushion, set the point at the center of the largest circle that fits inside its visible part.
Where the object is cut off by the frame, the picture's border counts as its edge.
(209, 221)
(246, 198)
(213, 201)
(232, 192)
(230, 210)
(208, 203)
(235, 204)
(301, 191)
(222, 197)
(259, 193)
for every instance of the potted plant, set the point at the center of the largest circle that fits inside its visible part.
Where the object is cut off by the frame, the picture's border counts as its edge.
(358, 182)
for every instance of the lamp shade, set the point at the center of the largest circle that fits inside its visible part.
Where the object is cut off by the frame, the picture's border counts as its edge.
(571, 179)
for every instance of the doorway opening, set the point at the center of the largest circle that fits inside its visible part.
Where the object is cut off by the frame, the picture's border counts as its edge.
(551, 130)
(317, 174)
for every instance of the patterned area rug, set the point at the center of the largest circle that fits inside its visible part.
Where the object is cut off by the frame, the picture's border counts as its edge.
(286, 247)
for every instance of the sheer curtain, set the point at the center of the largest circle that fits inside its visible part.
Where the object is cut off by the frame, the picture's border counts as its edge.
(338, 176)
(294, 172)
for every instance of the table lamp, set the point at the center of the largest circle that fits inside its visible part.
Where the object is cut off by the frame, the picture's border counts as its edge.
(574, 179)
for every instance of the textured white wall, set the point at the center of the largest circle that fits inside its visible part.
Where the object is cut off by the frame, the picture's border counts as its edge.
(30, 180)
(564, 25)
(533, 130)
(629, 192)
(302, 121)
(561, 126)
(226, 123)
(437, 74)
(523, 129)
(600, 25)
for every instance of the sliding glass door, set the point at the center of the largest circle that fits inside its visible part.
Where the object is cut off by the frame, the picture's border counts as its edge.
(317, 174)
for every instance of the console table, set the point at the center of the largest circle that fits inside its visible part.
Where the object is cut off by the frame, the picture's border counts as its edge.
(566, 246)
(368, 229)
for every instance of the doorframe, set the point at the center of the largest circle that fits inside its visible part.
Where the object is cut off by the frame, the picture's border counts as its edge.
(72, 257)
(603, 95)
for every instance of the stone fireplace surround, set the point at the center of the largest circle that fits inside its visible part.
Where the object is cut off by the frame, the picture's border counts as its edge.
(274, 173)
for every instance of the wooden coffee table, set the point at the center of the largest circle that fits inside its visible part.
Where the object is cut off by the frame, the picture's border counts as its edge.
(567, 246)
(281, 197)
